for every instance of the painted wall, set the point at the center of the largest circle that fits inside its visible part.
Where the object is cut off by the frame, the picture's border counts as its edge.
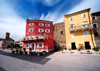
(79, 35)
(48, 43)
(36, 27)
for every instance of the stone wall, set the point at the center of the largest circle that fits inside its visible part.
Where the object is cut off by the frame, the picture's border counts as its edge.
(59, 34)
(97, 29)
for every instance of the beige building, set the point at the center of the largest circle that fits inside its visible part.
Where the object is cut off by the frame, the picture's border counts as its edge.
(59, 34)
(6, 41)
(19, 42)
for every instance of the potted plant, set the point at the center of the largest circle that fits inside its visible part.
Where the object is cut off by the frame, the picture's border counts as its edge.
(79, 49)
(30, 50)
(36, 37)
(40, 53)
(70, 49)
(62, 47)
(13, 50)
(88, 52)
(20, 51)
(16, 49)
(44, 50)
(96, 49)
(24, 51)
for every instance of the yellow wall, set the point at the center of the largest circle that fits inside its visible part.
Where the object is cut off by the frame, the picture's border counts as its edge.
(79, 35)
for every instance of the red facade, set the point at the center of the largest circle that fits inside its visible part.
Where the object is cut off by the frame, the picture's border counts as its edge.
(39, 34)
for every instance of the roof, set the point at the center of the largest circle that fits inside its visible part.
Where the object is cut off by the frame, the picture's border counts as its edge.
(2, 39)
(58, 23)
(96, 13)
(17, 42)
(78, 12)
(36, 20)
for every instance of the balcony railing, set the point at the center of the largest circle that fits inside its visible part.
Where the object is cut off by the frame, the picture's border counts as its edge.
(80, 27)
(34, 38)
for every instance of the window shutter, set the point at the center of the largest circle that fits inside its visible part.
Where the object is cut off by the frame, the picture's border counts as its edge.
(37, 45)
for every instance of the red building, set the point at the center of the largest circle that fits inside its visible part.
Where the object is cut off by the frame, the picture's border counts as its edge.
(39, 35)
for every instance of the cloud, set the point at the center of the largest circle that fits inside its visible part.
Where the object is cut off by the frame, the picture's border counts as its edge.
(58, 16)
(93, 4)
(11, 22)
(55, 15)
(50, 2)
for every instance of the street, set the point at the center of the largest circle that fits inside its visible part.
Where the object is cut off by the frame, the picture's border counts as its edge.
(57, 61)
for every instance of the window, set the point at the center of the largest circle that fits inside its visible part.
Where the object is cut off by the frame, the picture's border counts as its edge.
(41, 30)
(61, 32)
(41, 24)
(84, 15)
(31, 24)
(26, 45)
(30, 30)
(72, 36)
(94, 17)
(84, 24)
(71, 25)
(71, 19)
(47, 25)
(47, 30)
(86, 34)
(95, 25)
(40, 45)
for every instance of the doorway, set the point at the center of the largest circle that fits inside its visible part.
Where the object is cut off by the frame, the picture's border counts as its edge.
(87, 45)
(33, 46)
(73, 45)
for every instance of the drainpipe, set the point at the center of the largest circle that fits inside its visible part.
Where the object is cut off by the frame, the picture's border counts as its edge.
(91, 30)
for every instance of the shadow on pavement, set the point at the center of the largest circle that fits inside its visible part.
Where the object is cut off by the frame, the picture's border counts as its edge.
(31, 58)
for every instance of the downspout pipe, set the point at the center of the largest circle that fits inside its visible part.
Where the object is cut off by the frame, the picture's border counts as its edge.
(91, 29)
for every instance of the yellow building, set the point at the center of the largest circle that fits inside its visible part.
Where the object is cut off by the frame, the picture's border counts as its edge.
(79, 30)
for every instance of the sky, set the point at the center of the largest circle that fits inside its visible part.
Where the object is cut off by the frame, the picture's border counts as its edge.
(13, 13)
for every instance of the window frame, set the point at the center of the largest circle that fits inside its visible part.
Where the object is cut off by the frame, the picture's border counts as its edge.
(96, 25)
(70, 18)
(26, 44)
(41, 25)
(32, 30)
(95, 18)
(83, 15)
(61, 32)
(42, 30)
(47, 24)
(31, 24)
(86, 35)
(73, 35)
(39, 43)
(47, 29)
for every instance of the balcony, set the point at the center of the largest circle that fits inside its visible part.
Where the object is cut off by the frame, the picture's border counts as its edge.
(80, 27)
(34, 38)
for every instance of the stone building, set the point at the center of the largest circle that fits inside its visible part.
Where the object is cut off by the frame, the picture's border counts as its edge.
(59, 34)
(96, 27)
(19, 42)
(6, 41)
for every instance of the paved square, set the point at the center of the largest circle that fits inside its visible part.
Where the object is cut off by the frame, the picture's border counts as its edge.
(57, 61)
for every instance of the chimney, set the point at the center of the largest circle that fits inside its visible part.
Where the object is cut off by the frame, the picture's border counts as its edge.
(7, 35)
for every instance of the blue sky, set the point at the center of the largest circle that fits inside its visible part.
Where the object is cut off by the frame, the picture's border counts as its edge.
(13, 13)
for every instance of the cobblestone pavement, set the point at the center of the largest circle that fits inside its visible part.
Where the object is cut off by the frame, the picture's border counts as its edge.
(57, 61)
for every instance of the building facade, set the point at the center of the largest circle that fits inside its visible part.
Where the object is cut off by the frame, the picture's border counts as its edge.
(79, 30)
(59, 34)
(19, 43)
(96, 27)
(39, 35)
(6, 41)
